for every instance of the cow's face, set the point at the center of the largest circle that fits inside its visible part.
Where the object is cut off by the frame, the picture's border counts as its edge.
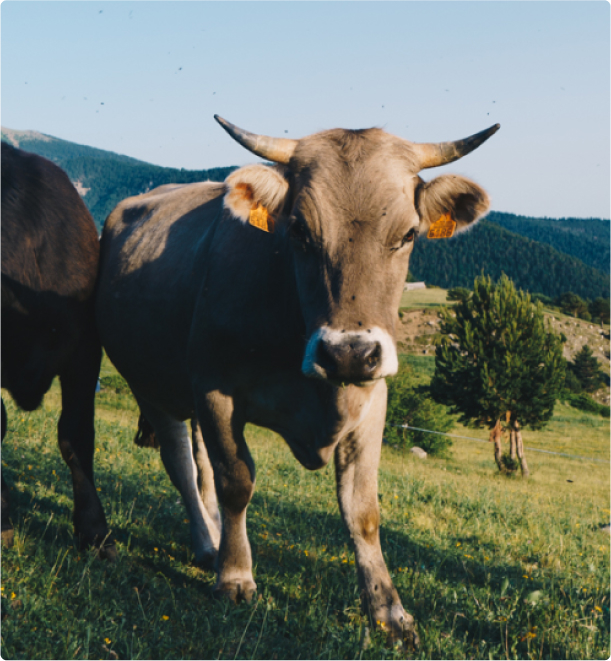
(351, 206)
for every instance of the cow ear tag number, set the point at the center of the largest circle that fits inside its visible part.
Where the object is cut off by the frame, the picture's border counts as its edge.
(442, 228)
(259, 217)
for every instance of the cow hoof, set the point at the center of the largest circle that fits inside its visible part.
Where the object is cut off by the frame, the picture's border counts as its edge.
(236, 591)
(8, 538)
(401, 630)
(108, 553)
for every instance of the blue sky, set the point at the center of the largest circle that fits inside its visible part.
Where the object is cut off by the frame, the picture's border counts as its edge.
(145, 79)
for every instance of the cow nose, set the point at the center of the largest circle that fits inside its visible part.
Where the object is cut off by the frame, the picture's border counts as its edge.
(349, 361)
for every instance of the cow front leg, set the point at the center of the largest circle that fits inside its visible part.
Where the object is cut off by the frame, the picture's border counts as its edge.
(357, 457)
(8, 533)
(76, 437)
(234, 478)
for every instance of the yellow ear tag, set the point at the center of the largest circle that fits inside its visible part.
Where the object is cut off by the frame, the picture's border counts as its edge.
(260, 218)
(442, 228)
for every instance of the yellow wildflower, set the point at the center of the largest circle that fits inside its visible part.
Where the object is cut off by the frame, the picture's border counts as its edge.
(165, 618)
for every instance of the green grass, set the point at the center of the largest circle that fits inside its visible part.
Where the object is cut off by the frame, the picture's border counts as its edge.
(490, 566)
(424, 298)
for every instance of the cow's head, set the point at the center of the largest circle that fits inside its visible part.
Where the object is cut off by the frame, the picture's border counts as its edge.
(351, 204)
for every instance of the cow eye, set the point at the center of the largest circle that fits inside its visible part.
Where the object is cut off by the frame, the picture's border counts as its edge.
(297, 231)
(410, 236)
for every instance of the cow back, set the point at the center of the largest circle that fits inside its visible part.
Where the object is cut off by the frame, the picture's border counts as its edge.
(49, 240)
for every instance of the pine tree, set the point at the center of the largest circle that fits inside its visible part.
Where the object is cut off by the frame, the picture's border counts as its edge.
(570, 303)
(587, 370)
(599, 309)
(498, 362)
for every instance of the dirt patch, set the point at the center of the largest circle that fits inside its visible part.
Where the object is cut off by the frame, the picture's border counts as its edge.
(80, 189)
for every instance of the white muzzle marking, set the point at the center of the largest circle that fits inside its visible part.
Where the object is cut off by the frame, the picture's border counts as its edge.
(389, 364)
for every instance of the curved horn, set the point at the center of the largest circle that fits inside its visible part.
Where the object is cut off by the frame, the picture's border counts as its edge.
(433, 154)
(278, 150)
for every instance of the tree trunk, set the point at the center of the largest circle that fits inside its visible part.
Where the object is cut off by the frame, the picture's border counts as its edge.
(520, 449)
(512, 445)
(495, 437)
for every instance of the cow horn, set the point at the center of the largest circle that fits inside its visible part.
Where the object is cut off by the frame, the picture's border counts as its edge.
(433, 154)
(278, 150)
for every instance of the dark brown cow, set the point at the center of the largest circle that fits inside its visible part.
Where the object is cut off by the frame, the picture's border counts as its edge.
(211, 319)
(50, 253)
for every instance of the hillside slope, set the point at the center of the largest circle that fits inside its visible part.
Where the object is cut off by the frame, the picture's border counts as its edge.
(488, 248)
(104, 178)
(584, 238)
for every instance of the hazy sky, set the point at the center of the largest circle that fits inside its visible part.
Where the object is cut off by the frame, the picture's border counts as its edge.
(145, 79)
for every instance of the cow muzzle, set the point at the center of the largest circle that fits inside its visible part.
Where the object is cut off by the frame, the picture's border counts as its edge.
(357, 357)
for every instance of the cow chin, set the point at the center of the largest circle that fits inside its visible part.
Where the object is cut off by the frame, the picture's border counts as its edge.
(350, 357)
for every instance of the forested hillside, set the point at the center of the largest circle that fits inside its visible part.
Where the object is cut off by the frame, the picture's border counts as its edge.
(543, 255)
(584, 238)
(109, 177)
(488, 248)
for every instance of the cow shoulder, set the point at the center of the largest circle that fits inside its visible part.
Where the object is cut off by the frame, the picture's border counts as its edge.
(461, 198)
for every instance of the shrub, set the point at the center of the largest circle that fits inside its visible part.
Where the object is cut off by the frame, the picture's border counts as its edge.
(583, 402)
(510, 465)
(411, 405)
(458, 294)
(572, 383)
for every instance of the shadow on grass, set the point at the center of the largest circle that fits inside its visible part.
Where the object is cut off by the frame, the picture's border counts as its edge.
(289, 566)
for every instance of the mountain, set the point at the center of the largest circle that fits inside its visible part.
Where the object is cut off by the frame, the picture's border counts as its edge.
(104, 178)
(584, 238)
(542, 255)
(493, 250)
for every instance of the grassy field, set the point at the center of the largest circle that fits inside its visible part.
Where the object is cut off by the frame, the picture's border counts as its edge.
(490, 566)
(424, 298)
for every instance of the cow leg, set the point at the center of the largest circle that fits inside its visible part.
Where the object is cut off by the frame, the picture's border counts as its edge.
(177, 456)
(8, 534)
(357, 457)
(234, 478)
(76, 438)
(205, 474)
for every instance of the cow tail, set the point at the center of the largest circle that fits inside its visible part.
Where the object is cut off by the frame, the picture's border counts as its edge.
(145, 436)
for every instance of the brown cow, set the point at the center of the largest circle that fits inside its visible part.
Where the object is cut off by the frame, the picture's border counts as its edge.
(50, 254)
(211, 319)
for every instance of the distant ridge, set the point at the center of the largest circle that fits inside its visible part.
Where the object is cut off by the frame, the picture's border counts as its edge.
(584, 238)
(540, 255)
(532, 265)
(14, 137)
(102, 177)
(58, 150)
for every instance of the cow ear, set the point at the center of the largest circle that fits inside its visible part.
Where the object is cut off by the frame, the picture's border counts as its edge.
(255, 186)
(463, 200)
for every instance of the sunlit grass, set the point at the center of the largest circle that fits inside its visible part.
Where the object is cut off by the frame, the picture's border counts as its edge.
(420, 298)
(490, 566)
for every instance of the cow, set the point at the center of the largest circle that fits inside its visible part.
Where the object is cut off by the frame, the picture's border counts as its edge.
(272, 299)
(50, 255)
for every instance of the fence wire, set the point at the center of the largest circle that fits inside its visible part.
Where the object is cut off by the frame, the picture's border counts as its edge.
(480, 440)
